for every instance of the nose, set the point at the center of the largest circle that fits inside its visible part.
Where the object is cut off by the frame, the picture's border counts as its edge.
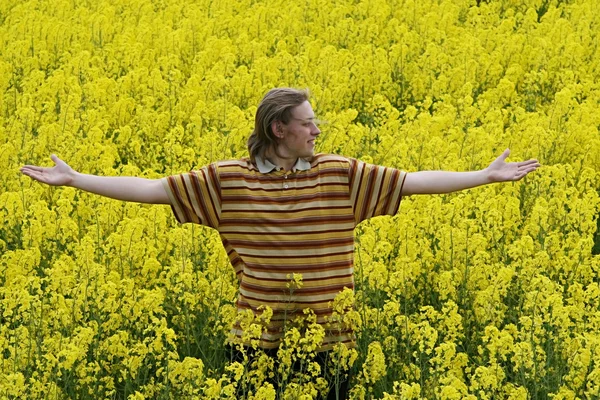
(316, 131)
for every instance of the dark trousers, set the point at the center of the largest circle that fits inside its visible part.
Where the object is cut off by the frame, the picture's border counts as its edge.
(337, 392)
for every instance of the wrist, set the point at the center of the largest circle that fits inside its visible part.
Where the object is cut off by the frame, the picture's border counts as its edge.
(73, 178)
(488, 176)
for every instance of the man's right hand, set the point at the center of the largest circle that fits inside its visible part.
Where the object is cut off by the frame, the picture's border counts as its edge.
(59, 175)
(126, 188)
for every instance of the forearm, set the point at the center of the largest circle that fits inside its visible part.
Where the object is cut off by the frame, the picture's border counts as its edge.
(437, 182)
(126, 188)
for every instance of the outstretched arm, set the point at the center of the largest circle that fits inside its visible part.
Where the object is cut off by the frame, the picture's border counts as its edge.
(437, 182)
(126, 188)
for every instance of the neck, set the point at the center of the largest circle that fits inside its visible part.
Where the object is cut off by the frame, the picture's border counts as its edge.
(287, 163)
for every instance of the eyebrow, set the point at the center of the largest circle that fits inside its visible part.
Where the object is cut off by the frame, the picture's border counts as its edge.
(314, 119)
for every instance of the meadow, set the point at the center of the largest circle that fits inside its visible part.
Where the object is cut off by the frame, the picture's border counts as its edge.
(490, 293)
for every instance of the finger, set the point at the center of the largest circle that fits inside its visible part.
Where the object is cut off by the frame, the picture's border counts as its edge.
(27, 171)
(529, 162)
(37, 176)
(521, 173)
(32, 168)
(527, 169)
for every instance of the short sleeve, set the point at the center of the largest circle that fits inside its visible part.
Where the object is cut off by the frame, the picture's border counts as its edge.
(374, 190)
(195, 196)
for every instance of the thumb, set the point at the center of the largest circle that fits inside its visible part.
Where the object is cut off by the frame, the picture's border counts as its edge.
(55, 159)
(59, 163)
(504, 155)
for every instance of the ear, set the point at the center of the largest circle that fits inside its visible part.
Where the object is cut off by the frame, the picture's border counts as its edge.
(276, 128)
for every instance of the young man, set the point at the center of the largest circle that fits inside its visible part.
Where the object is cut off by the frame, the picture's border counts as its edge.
(284, 210)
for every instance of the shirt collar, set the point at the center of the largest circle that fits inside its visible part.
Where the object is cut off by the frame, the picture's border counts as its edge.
(265, 166)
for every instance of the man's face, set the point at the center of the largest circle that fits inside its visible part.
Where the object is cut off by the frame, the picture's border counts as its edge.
(299, 134)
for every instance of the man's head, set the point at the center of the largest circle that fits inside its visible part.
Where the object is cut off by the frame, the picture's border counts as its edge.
(284, 125)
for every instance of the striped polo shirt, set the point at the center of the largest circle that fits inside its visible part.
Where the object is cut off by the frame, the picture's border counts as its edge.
(274, 223)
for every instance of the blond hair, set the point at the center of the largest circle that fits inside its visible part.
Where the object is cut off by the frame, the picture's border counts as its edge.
(275, 106)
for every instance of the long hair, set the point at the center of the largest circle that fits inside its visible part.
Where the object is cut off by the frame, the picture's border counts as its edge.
(275, 106)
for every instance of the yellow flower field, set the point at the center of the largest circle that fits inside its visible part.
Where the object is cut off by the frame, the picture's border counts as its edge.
(490, 293)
